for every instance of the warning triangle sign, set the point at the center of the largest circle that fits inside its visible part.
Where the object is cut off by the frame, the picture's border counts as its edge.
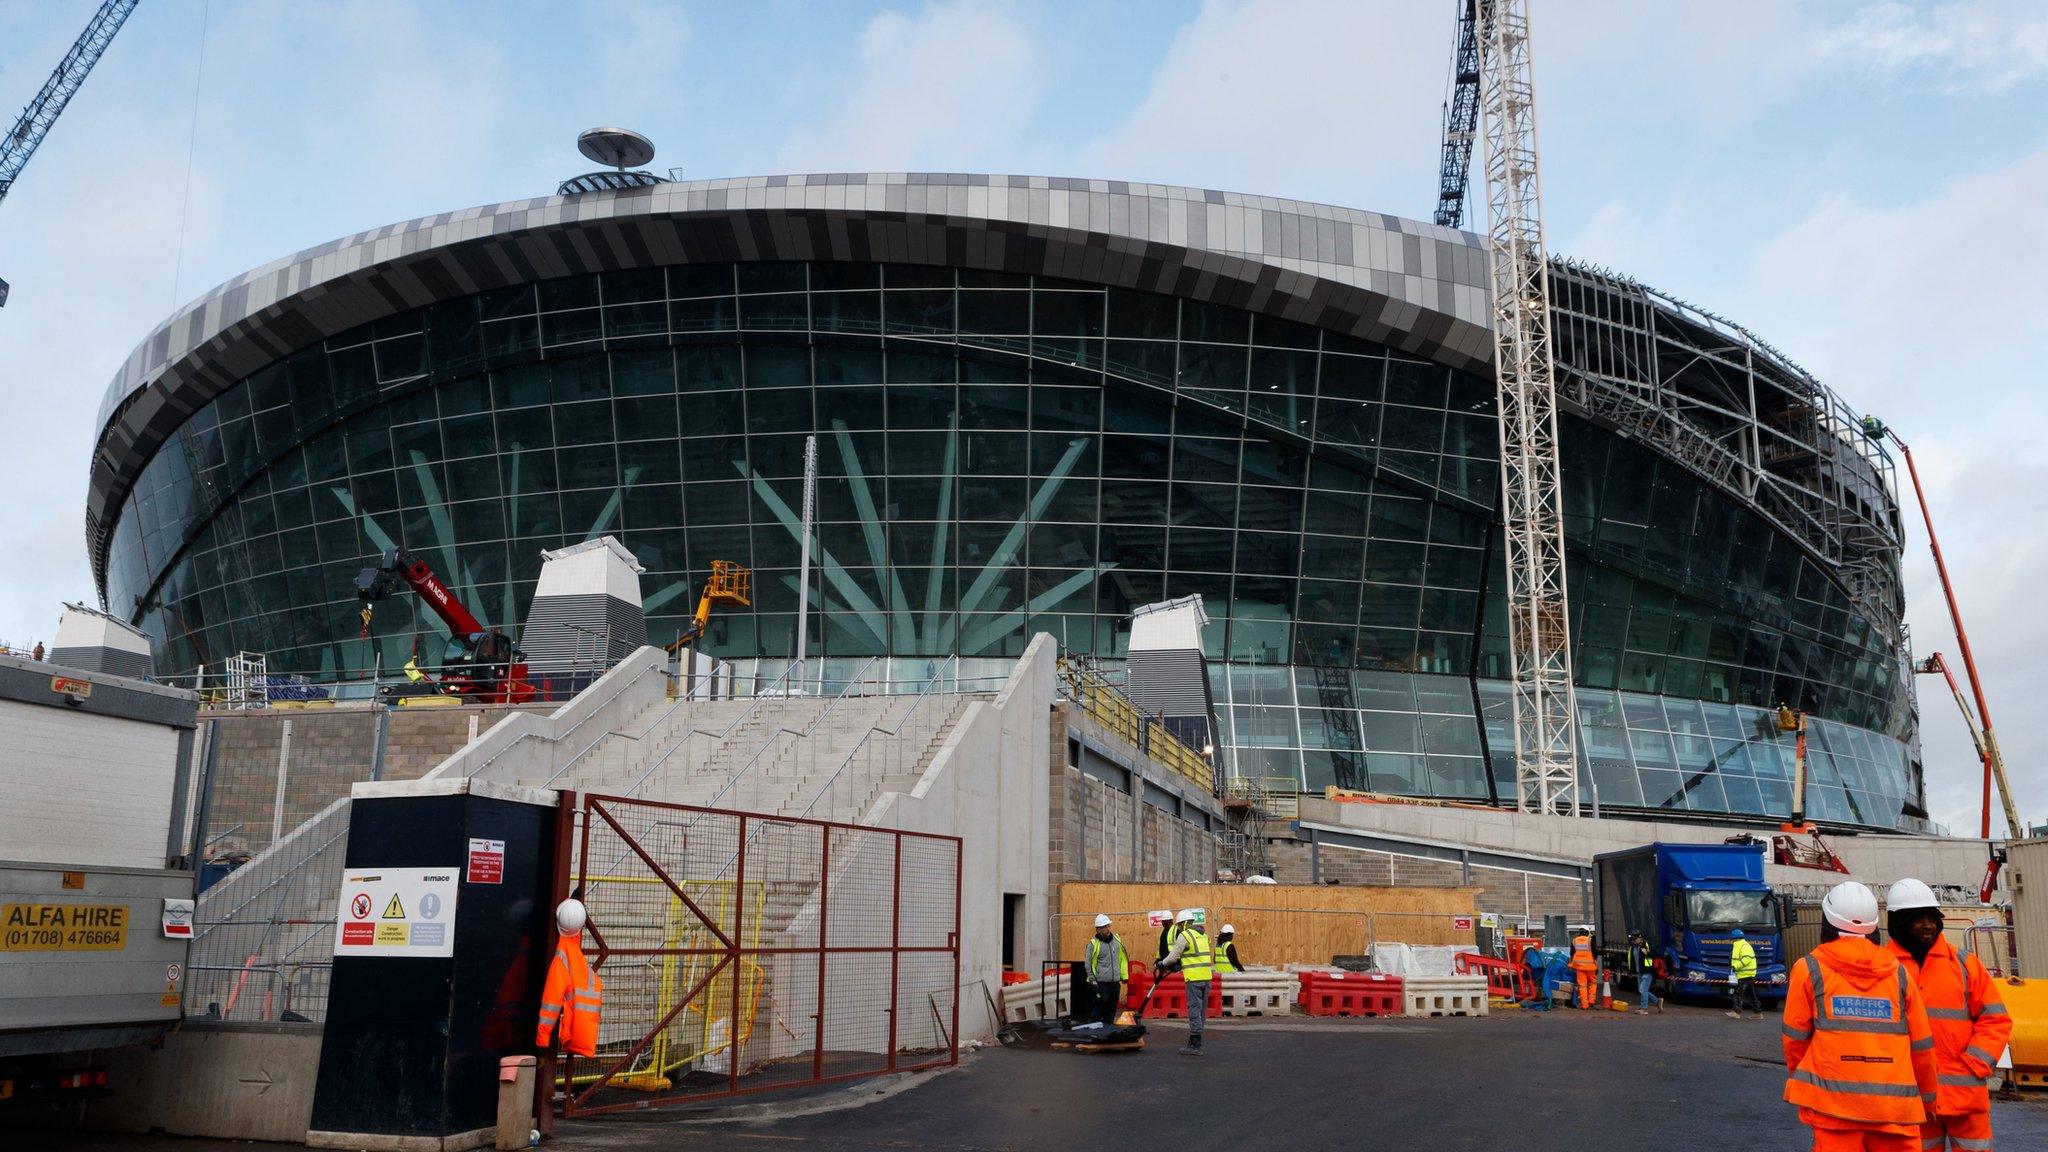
(394, 910)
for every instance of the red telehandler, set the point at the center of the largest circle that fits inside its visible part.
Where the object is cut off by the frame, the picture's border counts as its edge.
(479, 665)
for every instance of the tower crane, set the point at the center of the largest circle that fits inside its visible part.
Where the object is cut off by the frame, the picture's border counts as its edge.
(1493, 75)
(57, 91)
(1461, 121)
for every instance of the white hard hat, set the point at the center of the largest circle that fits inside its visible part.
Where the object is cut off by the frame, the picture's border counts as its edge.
(1101, 921)
(571, 916)
(1228, 930)
(1188, 915)
(1910, 893)
(1851, 907)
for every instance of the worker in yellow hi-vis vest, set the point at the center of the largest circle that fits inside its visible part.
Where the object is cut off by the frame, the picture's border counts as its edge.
(1195, 960)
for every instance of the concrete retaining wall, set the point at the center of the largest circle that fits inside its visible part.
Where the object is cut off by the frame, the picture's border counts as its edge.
(331, 749)
(227, 1081)
(1104, 830)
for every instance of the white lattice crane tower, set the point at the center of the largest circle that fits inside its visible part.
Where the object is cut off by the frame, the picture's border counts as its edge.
(1532, 491)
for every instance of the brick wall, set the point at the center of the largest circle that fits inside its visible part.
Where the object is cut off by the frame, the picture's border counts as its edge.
(331, 749)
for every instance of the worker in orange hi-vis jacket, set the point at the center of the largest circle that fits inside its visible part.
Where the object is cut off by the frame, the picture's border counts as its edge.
(1586, 967)
(1965, 1010)
(1858, 1046)
(573, 996)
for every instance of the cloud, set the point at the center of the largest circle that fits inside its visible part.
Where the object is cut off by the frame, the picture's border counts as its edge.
(1923, 313)
(952, 86)
(1988, 45)
(1301, 98)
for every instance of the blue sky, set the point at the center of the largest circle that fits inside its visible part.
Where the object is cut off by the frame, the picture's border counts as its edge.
(1859, 183)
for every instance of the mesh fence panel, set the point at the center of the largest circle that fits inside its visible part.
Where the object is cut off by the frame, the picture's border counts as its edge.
(742, 952)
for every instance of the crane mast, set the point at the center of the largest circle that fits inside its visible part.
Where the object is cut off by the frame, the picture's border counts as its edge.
(35, 121)
(1461, 120)
(1532, 491)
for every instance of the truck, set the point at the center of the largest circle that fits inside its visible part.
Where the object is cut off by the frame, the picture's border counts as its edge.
(96, 883)
(1686, 900)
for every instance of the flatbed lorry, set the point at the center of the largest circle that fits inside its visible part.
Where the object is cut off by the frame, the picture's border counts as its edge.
(1686, 900)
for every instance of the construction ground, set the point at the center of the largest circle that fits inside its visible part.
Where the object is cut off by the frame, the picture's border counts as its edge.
(1687, 1078)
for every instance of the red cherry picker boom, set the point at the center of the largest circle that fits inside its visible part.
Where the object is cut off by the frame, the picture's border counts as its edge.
(479, 665)
(1982, 735)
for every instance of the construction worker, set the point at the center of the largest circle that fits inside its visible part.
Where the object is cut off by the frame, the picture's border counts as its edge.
(1642, 965)
(1192, 956)
(1964, 1008)
(1858, 1047)
(1109, 966)
(1226, 952)
(1742, 975)
(573, 995)
(1585, 968)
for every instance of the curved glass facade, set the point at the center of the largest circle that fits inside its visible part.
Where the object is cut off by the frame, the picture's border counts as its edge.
(1001, 456)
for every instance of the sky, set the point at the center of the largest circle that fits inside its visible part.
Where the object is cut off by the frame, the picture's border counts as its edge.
(1861, 184)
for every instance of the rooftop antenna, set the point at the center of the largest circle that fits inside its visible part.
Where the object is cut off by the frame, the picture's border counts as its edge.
(623, 150)
(619, 148)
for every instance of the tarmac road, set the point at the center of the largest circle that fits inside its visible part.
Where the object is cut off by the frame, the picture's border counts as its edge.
(1690, 1078)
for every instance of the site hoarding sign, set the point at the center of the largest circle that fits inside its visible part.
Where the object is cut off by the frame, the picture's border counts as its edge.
(405, 912)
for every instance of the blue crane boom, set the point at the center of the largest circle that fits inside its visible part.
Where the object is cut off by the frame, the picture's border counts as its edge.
(35, 121)
(1461, 122)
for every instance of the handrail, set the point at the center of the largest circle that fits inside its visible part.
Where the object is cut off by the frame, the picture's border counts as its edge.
(616, 692)
(1103, 702)
(869, 734)
(760, 695)
(729, 730)
(844, 691)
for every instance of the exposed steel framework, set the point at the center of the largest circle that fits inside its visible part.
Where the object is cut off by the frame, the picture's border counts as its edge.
(746, 953)
(1532, 487)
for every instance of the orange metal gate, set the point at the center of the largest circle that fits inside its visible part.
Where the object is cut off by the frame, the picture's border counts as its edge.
(743, 952)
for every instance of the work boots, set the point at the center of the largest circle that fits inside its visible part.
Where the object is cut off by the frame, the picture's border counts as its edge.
(1193, 1047)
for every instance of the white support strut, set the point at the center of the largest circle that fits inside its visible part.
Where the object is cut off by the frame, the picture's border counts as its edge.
(1532, 491)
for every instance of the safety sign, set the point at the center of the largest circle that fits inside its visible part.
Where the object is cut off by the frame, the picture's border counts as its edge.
(396, 912)
(486, 861)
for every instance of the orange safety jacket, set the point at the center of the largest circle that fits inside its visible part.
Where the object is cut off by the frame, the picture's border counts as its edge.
(1857, 1042)
(571, 988)
(1582, 954)
(1970, 1024)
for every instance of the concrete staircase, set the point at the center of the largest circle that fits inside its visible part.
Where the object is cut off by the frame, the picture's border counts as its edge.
(266, 931)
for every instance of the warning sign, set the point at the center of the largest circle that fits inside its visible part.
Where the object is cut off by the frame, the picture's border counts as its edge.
(486, 862)
(178, 919)
(414, 911)
(1461, 923)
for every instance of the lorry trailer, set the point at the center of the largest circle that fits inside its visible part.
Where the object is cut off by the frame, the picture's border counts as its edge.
(1687, 900)
(96, 888)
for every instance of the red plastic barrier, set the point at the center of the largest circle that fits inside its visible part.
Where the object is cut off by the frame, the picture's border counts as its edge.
(1170, 1001)
(1503, 979)
(1350, 994)
(1134, 990)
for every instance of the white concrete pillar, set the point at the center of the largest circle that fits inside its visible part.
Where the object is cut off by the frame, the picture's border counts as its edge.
(284, 759)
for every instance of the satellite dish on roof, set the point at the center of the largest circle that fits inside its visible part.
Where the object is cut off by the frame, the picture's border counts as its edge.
(616, 147)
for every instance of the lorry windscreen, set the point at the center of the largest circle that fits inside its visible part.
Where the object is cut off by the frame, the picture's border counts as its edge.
(1722, 909)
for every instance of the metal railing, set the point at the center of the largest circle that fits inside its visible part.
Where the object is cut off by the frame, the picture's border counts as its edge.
(1103, 703)
(901, 724)
(654, 725)
(776, 737)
